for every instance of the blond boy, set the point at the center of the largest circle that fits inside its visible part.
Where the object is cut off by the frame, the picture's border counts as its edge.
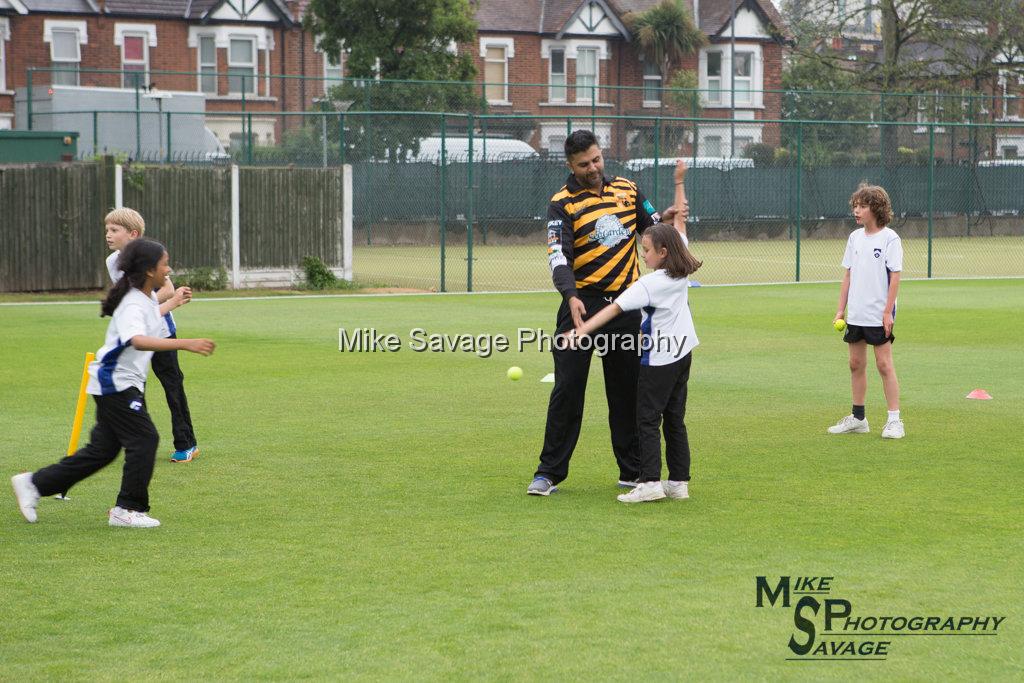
(122, 226)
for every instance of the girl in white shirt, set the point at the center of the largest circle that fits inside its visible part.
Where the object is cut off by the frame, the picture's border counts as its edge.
(668, 337)
(117, 381)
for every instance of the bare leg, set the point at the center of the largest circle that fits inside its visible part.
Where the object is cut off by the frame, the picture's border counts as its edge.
(858, 371)
(890, 385)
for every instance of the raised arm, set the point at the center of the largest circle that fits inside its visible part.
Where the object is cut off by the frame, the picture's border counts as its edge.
(682, 206)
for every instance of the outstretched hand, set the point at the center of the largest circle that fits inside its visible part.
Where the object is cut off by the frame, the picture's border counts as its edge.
(578, 310)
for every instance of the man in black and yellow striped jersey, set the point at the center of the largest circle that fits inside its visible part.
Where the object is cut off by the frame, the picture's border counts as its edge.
(594, 224)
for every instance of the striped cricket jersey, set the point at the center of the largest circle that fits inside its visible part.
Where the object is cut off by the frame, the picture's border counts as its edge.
(592, 236)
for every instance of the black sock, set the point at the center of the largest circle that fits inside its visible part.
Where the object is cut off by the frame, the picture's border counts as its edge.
(858, 412)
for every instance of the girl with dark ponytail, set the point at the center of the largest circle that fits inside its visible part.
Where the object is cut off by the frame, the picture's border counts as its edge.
(117, 381)
(135, 261)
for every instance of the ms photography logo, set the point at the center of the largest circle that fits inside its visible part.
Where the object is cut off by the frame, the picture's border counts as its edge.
(827, 629)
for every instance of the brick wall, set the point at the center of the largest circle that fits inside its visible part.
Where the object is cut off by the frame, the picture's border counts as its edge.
(293, 54)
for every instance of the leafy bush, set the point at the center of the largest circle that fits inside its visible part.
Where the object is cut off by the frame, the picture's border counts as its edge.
(762, 154)
(783, 157)
(202, 279)
(319, 276)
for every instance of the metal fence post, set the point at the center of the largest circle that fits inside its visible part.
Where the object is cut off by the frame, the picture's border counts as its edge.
(799, 188)
(341, 138)
(931, 190)
(95, 132)
(444, 193)
(482, 177)
(657, 159)
(28, 92)
(323, 139)
(248, 138)
(593, 107)
(168, 137)
(469, 211)
(138, 121)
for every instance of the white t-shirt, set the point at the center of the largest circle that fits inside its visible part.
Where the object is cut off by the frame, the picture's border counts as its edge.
(168, 326)
(118, 364)
(871, 260)
(667, 325)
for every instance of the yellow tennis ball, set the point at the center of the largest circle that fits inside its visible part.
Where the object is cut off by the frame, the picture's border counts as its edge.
(840, 325)
(515, 373)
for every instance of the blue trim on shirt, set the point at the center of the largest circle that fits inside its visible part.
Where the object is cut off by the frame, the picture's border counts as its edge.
(171, 328)
(108, 364)
(645, 331)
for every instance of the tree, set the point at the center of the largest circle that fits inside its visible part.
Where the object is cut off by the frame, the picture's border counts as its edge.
(926, 45)
(665, 35)
(935, 46)
(397, 40)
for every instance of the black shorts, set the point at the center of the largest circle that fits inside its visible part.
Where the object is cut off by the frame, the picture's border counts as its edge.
(872, 335)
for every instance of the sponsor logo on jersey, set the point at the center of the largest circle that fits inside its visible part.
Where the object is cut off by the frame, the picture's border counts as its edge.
(609, 231)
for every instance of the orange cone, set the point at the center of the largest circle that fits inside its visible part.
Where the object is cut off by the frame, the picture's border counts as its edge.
(980, 395)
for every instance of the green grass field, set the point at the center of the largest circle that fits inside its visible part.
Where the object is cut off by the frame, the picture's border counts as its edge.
(363, 516)
(525, 267)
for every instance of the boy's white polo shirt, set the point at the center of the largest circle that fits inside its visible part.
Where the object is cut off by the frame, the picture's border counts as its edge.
(118, 364)
(871, 260)
(168, 327)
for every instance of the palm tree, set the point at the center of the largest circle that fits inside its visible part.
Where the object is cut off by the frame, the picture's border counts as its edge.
(665, 35)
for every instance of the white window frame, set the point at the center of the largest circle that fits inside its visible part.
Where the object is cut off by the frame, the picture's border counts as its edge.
(5, 35)
(712, 87)
(553, 89)
(509, 46)
(200, 64)
(255, 63)
(756, 76)
(144, 62)
(264, 40)
(652, 77)
(329, 79)
(591, 90)
(746, 79)
(61, 26)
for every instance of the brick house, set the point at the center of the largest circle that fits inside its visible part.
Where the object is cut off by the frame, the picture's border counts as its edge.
(576, 52)
(579, 50)
(249, 42)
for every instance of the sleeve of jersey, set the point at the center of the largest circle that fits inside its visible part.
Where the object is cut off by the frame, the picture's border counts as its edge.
(646, 216)
(560, 248)
(894, 255)
(130, 321)
(848, 254)
(634, 298)
(112, 269)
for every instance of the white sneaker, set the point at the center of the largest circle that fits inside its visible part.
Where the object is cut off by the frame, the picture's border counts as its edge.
(118, 516)
(893, 430)
(644, 492)
(680, 490)
(27, 494)
(850, 425)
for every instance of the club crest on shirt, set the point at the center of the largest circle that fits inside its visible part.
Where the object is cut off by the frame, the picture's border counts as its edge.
(878, 253)
(623, 200)
(609, 231)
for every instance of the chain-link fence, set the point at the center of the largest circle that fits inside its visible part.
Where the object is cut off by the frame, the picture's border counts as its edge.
(458, 201)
